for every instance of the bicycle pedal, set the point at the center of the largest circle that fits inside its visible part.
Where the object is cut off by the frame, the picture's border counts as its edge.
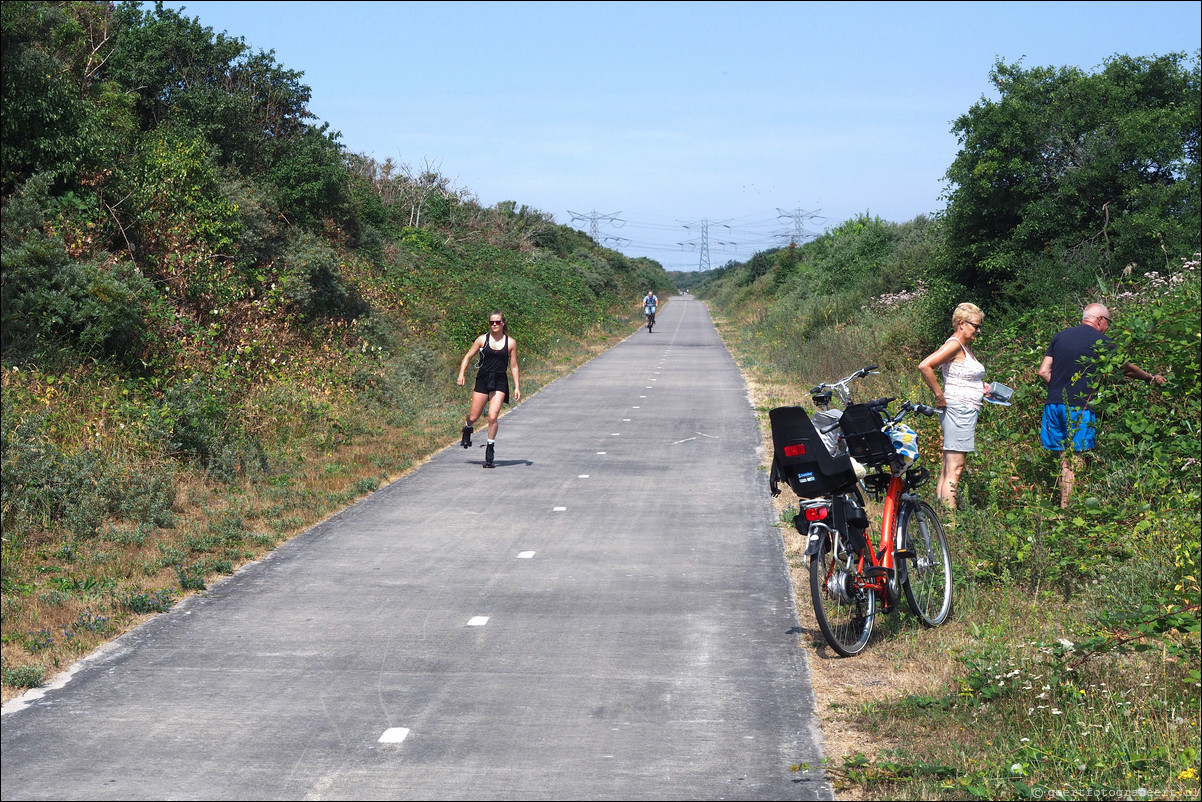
(876, 571)
(907, 554)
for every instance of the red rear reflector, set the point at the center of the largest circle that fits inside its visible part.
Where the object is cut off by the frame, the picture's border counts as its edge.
(816, 513)
(797, 450)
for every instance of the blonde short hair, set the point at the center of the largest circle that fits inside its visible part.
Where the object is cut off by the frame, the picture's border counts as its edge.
(966, 311)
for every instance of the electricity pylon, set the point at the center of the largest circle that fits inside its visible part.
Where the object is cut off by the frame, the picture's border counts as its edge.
(798, 216)
(593, 218)
(704, 244)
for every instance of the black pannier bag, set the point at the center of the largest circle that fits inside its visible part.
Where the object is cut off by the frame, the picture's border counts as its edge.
(866, 443)
(801, 458)
(854, 522)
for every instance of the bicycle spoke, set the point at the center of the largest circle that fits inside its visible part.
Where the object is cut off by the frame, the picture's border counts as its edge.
(844, 609)
(928, 583)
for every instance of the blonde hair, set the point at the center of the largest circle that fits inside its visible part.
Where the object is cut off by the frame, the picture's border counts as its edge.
(966, 311)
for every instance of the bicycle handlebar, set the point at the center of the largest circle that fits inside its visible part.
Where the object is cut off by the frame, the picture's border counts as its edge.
(911, 406)
(859, 374)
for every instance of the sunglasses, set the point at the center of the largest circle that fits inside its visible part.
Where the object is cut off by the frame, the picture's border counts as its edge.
(496, 322)
(976, 326)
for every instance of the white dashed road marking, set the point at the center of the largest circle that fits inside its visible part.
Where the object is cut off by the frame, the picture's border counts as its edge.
(394, 735)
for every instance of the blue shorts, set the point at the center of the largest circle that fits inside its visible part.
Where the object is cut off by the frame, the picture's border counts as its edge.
(1062, 425)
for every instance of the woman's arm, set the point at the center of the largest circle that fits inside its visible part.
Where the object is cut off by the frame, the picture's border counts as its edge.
(927, 369)
(513, 368)
(471, 352)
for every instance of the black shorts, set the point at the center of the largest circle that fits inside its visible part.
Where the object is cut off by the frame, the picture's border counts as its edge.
(489, 383)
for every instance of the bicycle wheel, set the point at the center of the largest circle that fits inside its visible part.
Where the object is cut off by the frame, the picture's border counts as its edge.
(928, 568)
(845, 610)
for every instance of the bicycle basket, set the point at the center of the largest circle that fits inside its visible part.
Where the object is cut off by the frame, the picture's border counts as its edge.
(801, 457)
(866, 442)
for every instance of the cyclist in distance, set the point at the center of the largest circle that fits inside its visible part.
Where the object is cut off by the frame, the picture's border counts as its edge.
(650, 303)
(498, 352)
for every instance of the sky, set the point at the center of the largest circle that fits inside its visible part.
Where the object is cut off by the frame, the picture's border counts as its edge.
(693, 133)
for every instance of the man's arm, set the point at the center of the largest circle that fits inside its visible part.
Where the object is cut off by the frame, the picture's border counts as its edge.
(1045, 370)
(1133, 371)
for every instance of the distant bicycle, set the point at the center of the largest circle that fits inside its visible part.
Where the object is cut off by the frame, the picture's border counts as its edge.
(650, 303)
(827, 461)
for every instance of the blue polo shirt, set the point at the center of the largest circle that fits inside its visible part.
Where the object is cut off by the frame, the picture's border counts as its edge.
(1074, 354)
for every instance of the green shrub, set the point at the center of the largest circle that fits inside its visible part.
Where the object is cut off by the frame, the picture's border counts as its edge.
(199, 415)
(313, 281)
(309, 176)
(191, 577)
(29, 675)
(53, 598)
(95, 307)
(43, 487)
(92, 623)
(186, 225)
(37, 641)
(142, 602)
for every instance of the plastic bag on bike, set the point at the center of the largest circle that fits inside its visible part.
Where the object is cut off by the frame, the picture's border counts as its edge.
(905, 443)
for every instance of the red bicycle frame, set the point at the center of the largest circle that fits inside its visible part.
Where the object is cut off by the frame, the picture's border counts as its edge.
(868, 561)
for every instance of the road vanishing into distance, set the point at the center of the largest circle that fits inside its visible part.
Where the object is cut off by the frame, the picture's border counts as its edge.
(605, 615)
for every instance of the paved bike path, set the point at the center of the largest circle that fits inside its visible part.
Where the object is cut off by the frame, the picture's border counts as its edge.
(605, 615)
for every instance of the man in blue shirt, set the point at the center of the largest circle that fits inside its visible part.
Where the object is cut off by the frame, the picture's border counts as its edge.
(650, 303)
(1068, 368)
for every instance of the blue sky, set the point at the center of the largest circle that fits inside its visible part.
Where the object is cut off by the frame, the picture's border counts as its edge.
(732, 117)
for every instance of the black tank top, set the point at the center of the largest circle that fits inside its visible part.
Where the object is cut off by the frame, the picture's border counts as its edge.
(494, 360)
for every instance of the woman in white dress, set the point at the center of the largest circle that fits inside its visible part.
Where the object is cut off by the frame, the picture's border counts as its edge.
(959, 401)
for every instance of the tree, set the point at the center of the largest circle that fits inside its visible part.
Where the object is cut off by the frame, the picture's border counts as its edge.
(1098, 170)
(186, 77)
(310, 178)
(43, 111)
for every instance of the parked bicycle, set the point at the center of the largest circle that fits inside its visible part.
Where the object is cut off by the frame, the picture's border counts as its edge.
(861, 449)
